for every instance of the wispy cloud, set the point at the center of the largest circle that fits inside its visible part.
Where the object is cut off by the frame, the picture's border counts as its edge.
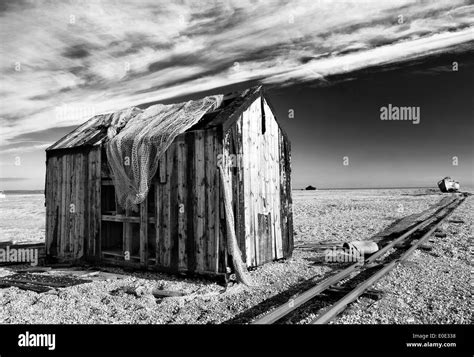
(22, 149)
(62, 61)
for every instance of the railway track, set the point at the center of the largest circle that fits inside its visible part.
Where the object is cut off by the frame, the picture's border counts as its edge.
(375, 267)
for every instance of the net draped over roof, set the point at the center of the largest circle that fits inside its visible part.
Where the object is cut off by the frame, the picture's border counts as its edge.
(136, 138)
(138, 141)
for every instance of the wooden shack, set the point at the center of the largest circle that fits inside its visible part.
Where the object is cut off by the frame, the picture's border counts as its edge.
(181, 226)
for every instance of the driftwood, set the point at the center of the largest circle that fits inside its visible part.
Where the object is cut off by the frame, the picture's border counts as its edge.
(42, 283)
(53, 284)
(39, 283)
(91, 274)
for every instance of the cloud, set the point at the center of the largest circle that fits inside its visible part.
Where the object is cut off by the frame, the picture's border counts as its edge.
(24, 148)
(46, 135)
(61, 62)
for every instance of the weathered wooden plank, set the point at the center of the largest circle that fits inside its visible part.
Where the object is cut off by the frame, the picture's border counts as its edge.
(262, 232)
(233, 173)
(95, 201)
(289, 197)
(64, 205)
(174, 206)
(270, 179)
(162, 169)
(261, 172)
(80, 232)
(54, 202)
(144, 233)
(57, 206)
(98, 204)
(252, 178)
(190, 209)
(48, 203)
(240, 212)
(167, 207)
(223, 264)
(60, 205)
(127, 229)
(219, 263)
(91, 212)
(74, 204)
(159, 225)
(163, 201)
(251, 196)
(79, 201)
(268, 251)
(199, 188)
(124, 218)
(246, 149)
(275, 186)
(152, 234)
(163, 220)
(210, 173)
(255, 182)
(269, 174)
(50, 200)
(282, 192)
(278, 202)
(71, 204)
(182, 202)
(85, 205)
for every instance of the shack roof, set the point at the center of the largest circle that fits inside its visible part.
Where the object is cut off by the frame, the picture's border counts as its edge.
(94, 130)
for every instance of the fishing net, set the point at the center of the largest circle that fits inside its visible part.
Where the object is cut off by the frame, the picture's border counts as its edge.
(232, 245)
(134, 148)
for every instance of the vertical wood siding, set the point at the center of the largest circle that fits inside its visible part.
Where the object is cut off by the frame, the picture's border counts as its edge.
(73, 204)
(182, 227)
(187, 201)
(257, 153)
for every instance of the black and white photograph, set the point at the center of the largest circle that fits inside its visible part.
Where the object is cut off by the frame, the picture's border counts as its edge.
(169, 166)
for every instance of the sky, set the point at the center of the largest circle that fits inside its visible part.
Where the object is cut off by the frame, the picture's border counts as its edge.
(328, 61)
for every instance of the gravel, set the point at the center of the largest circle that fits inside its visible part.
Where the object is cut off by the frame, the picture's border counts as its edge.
(432, 287)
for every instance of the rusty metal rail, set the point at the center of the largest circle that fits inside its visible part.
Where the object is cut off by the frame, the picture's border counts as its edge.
(296, 302)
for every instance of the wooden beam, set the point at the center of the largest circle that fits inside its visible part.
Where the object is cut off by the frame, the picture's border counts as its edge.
(127, 235)
(162, 169)
(144, 232)
(122, 218)
(107, 182)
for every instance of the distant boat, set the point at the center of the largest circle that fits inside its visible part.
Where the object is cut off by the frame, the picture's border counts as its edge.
(448, 185)
(310, 188)
(2, 194)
